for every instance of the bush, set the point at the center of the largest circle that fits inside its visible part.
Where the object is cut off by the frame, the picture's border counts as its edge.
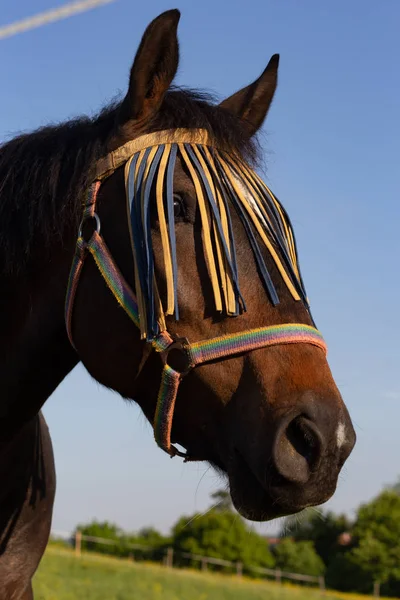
(221, 535)
(298, 557)
(150, 543)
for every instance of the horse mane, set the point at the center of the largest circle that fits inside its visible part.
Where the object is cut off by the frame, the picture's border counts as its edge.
(44, 174)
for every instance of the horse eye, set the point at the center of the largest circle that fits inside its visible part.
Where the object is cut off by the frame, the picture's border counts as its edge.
(178, 205)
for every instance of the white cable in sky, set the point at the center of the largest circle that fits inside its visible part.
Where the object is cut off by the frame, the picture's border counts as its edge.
(49, 16)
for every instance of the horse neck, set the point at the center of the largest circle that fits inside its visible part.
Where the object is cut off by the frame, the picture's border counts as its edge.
(35, 354)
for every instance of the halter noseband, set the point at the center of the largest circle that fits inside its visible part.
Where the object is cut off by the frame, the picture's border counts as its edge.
(192, 354)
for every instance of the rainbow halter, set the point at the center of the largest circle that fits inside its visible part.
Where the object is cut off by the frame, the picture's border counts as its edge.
(220, 181)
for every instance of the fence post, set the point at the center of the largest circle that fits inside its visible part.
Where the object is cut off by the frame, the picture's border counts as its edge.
(78, 543)
(278, 576)
(239, 569)
(321, 581)
(170, 557)
(377, 589)
(204, 564)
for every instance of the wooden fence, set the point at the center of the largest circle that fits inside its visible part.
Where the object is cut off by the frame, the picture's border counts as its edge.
(170, 554)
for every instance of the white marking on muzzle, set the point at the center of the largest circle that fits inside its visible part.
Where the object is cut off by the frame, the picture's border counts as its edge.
(341, 435)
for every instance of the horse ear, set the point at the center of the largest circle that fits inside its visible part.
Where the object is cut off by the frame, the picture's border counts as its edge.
(154, 67)
(252, 103)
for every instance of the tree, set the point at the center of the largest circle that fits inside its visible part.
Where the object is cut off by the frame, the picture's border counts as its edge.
(396, 487)
(372, 558)
(298, 557)
(147, 544)
(149, 536)
(104, 530)
(221, 535)
(344, 574)
(222, 500)
(381, 519)
(321, 529)
(365, 564)
(375, 554)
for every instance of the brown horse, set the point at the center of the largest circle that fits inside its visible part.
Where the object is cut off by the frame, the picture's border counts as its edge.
(269, 416)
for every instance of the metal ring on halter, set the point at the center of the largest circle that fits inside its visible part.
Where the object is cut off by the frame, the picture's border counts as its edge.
(182, 347)
(86, 218)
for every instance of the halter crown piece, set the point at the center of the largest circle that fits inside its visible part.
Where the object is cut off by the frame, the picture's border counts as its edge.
(222, 182)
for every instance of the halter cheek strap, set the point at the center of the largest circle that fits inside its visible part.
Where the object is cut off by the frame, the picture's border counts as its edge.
(195, 354)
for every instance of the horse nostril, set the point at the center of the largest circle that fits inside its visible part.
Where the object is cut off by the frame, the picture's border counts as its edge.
(298, 450)
(305, 439)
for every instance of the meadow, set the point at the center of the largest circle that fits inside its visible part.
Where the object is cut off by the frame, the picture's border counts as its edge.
(62, 576)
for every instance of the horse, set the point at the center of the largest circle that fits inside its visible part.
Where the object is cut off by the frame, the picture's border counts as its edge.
(143, 243)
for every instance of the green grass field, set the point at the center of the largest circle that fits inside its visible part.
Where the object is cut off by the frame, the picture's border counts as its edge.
(62, 576)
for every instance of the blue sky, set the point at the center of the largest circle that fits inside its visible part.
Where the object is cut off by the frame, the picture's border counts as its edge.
(332, 151)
